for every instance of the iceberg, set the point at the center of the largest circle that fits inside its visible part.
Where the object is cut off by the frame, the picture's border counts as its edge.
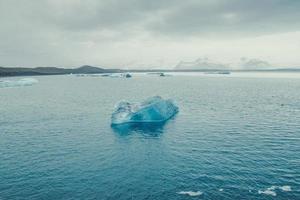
(17, 83)
(153, 110)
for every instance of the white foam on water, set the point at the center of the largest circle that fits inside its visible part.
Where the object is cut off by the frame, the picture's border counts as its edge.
(221, 189)
(191, 193)
(285, 188)
(267, 192)
(273, 187)
(271, 190)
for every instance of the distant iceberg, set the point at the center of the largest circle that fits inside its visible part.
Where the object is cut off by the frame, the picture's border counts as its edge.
(164, 75)
(117, 75)
(161, 74)
(18, 83)
(153, 110)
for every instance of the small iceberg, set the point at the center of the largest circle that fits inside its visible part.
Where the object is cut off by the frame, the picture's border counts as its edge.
(128, 75)
(164, 75)
(153, 110)
(161, 74)
(18, 83)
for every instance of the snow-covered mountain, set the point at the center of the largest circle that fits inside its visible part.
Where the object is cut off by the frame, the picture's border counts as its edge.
(199, 64)
(253, 64)
(206, 64)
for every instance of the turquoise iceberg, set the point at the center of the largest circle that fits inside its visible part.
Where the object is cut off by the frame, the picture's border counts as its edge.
(153, 110)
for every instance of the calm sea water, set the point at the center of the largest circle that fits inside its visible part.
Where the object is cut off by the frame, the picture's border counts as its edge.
(234, 137)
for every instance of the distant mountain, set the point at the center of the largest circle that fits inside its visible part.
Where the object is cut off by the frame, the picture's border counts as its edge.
(182, 66)
(86, 69)
(200, 64)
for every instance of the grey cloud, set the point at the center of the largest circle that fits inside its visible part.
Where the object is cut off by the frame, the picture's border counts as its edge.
(234, 17)
(92, 14)
(164, 17)
(38, 32)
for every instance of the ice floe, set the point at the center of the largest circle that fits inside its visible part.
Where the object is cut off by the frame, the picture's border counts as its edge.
(18, 83)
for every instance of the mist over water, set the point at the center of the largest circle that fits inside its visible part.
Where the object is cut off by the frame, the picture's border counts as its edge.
(235, 137)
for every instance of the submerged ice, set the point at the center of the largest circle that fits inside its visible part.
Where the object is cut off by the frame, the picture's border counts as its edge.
(17, 83)
(154, 109)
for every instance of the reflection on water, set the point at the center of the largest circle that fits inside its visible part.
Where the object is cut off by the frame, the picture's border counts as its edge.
(153, 129)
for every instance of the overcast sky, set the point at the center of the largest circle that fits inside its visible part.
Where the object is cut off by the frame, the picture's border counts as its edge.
(147, 33)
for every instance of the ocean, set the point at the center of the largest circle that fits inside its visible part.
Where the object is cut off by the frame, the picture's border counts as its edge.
(235, 136)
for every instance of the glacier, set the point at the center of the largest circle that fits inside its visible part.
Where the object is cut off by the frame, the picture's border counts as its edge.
(17, 83)
(153, 110)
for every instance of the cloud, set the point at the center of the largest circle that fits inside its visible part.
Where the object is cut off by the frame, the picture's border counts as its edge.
(166, 17)
(226, 18)
(114, 32)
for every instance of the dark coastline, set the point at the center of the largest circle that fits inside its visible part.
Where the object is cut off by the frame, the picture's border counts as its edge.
(86, 69)
(39, 71)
